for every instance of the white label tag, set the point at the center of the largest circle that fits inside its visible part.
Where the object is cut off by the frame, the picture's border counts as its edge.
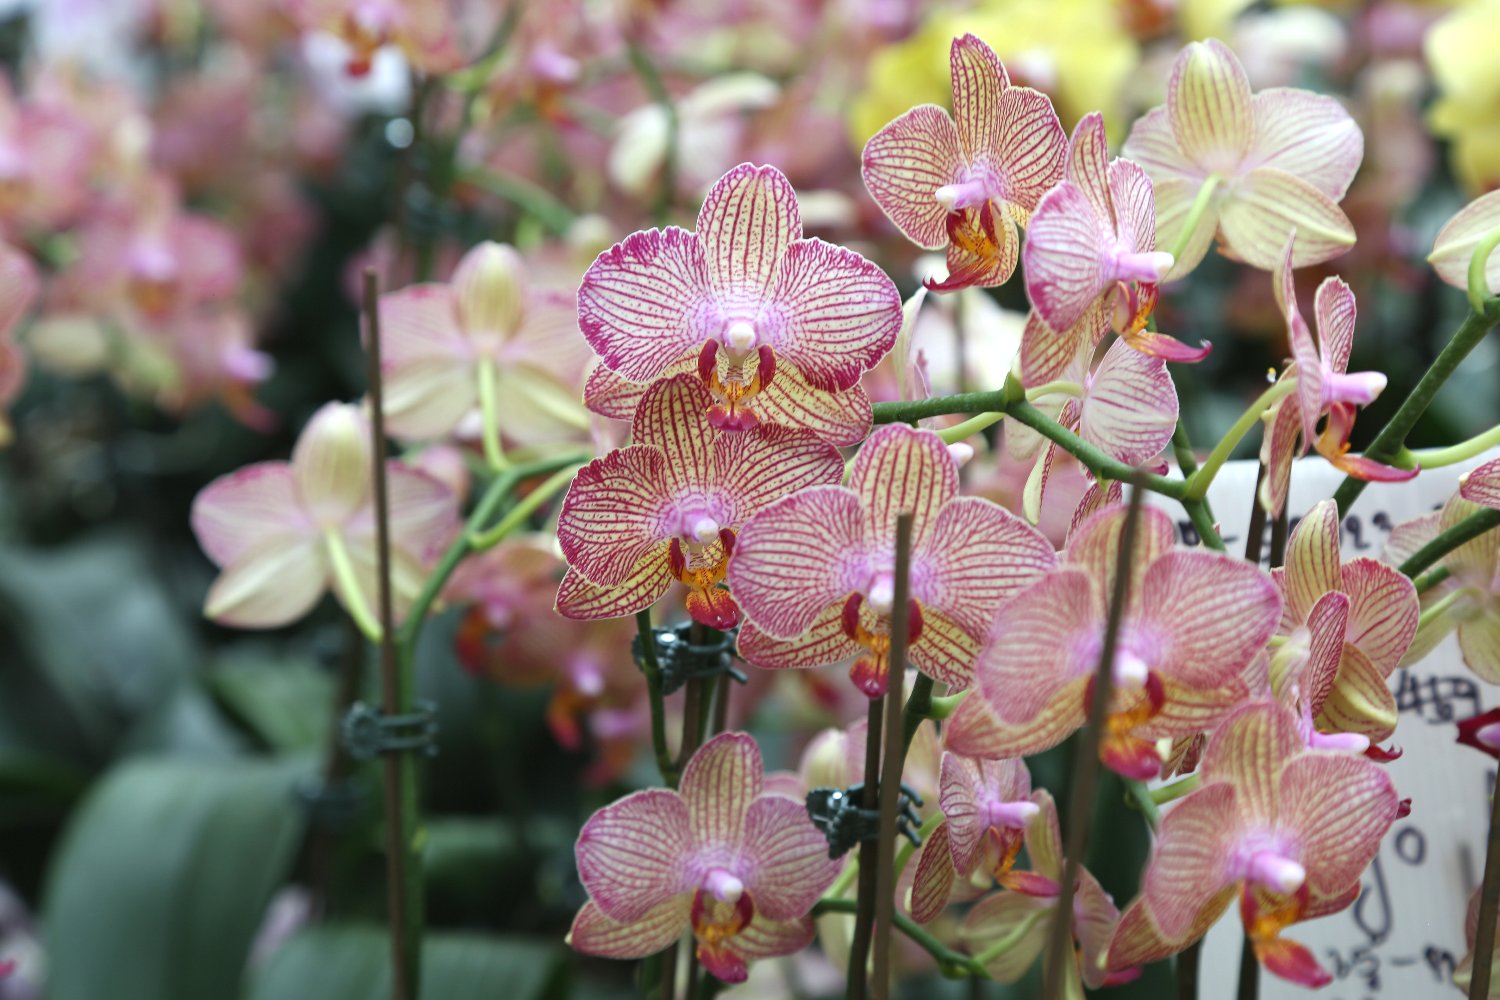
(1404, 935)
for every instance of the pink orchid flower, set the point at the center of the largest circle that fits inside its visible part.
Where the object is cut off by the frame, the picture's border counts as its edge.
(1324, 386)
(814, 572)
(284, 532)
(1029, 906)
(425, 32)
(18, 291)
(1286, 829)
(1092, 244)
(1468, 600)
(743, 299)
(969, 180)
(1460, 236)
(1344, 629)
(46, 153)
(986, 807)
(736, 864)
(1193, 621)
(488, 330)
(667, 507)
(1481, 485)
(1280, 161)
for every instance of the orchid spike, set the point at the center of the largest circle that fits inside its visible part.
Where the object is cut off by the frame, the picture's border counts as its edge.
(1458, 240)
(1023, 914)
(1275, 162)
(1287, 830)
(736, 864)
(442, 343)
(1467, 599)
(1092, 245)
(667, 507)
(284, 532)
(967, 181)
(986, 807)
(1481, 485)
(814, 572)
(1192, 622)
(1344, 629)
(1324, 386)
(743, 299)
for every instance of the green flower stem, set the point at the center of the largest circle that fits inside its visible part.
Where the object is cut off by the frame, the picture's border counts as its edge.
(1469, 528)
(952, 963)
(1098, 462)
(969, 427)
(946, 706)
(1140, 798)
(939, 406)
(651, 666)
(1195, 215)
(1203, 523)
(1199, 481)
(919, 706)
(1439, 608)
(1060, 387)
(1187, 461)
(1436, 458)
(1479, 262)
(354, 595)
(489, 408)
(1387, 444)
(1431, 579)
(1017, 933)
(518, 514)
(1176, 790)
(533, 199)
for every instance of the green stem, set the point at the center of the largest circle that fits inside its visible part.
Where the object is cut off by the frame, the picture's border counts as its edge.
(1061, 387)
(489, 408)
(939, 406)
(1431, 579)
(951, 963)
(354, 595)
(1176, 790)
(1439, 608)
(1097, 461)
(1436, 458)
(1000, 947)
(918, 708)
(969, 427)
(1392, 436)
(1195, 215)
(946, 706)
(907, 848)
(1468, 529)
(535, 200)
(1203, 523)
(517, 515)
(651, 667)
(1479, 263)
(1140, 797)
(1198, 483)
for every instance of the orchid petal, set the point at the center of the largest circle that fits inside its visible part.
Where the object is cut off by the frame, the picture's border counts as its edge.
(1186, 711)
(1359, 702)
(1094, 547)
(1193, 862)
(633, 854)
(1309, 366)
(640, 302)
(1000, 915)
(1308, 135)
(746, 224)
(832, 314)
(1134, 206)
(1175, 197)
(903, 166)
(1268, 204)
(612, 514)
(1044, 841)
(594, 933)
(1460, 237)
(982, 250)
(1208, 101)
(238, 512)
(841, 418)
(1479, 642)
(420, 322)
(428, 397)
(767, 463)
(900, 470)
(979, 83)
(1129, 408)
(268, 586)
(1094, 923)
(945, 651)
(1278, 446)
(1064, 256)
(718, 785)
(977, 555)
(932, 884)
(1341, 806)
(1048, 355)
(1335, 313)
(767, 938)
(1312, 561)
(1152, 144)
(1383, 611)
(1032, 147)
(672, 419)
(1326, 623)
(1138, 940)
(823, 642)
(1235, 610)
(650, 578)
(788, 564)
(331, 463)
(1249, 750)
(976, 730)
(616, 397)
(1087, 165)
(1291, 961)
(963, 782)
(1482, 485)
(790, 857)
(1044, 642)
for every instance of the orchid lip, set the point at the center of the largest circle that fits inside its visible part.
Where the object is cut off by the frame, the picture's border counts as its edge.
(1270, 870)
(724, 886)
(740, 336)
(965, 194)
(1147, 267)
(1010, 815)
(1352, 387)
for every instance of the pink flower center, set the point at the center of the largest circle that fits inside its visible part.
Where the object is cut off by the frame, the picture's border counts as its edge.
(724, 886)
(994, 812)
(1149, 268)
(971, 192)
(1351, 387)
(1274, 872)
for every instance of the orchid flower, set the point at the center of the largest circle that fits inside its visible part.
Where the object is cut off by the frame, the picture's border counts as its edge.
(746, 300)
(1324, 386)
(1468, 600)
(736, 864)
(18, 290)
(814, 572)
(1456, 243)
(1344, 629)
(1481, 485)
(967, 181)
(425, 32)
(1022, 916)
(1271, 163)
(986, 807)
(1286, 829)
(487, 333)
(284, 532)
(667, 507)
(1193, 620)
(1092, 244)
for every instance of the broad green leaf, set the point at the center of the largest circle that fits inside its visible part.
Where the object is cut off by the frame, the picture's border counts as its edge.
(163, 876)
(286, 703)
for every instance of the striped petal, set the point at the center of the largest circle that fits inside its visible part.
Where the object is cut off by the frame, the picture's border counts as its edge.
(1134, 206)
(841, 418)
(1087, 165)
(1045, 641)
(1383, 611)
(1334, 311)
(832, 314)
(746, 224)
(1138, 940)
(1278, 446)
(672, 419)
(593, 933)
(1248, 750)
(1266, 206)
(1001, 915)
(1208, 102)
(613, 513)
(766, 938)
(1153, 145)
(423, 512)
(1032, 146)
(824, 642)
(269, 586)
(641, 302)
(1359, 702)
(1187, 711)
(331, 463)
(901, 469)
(1479, 642)
(239, 512)
(754, 468)
(1234, 609)
(579, 599)
(789, 563)
(1130, 405)
(976, 730)
(1309, 366)
(420, 322)
(1193, 862)
(1341, 806)
(964, 784)
(932, 884)
(903, 166)
(1065, 256)
(945, 651)
(979, 83)
(718, 785)
(1312, 562)
(1048, 355)
(788, 857)
(1482, 485)
(1460, 237)
(1094, 547)
(977, 555)
(1044, 841)
(633, 854)
(1096, 917)
(1174, 203)
(1308, 135)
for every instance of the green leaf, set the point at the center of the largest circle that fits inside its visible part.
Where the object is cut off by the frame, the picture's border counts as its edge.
(286, 704)
(164, 875)
(352, 962)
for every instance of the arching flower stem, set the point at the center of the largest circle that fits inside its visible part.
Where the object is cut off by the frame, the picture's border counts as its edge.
(1436, 458)
(1195, 214)
(1199, 482)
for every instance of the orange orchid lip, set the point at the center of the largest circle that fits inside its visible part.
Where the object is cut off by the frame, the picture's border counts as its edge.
(871, 672)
